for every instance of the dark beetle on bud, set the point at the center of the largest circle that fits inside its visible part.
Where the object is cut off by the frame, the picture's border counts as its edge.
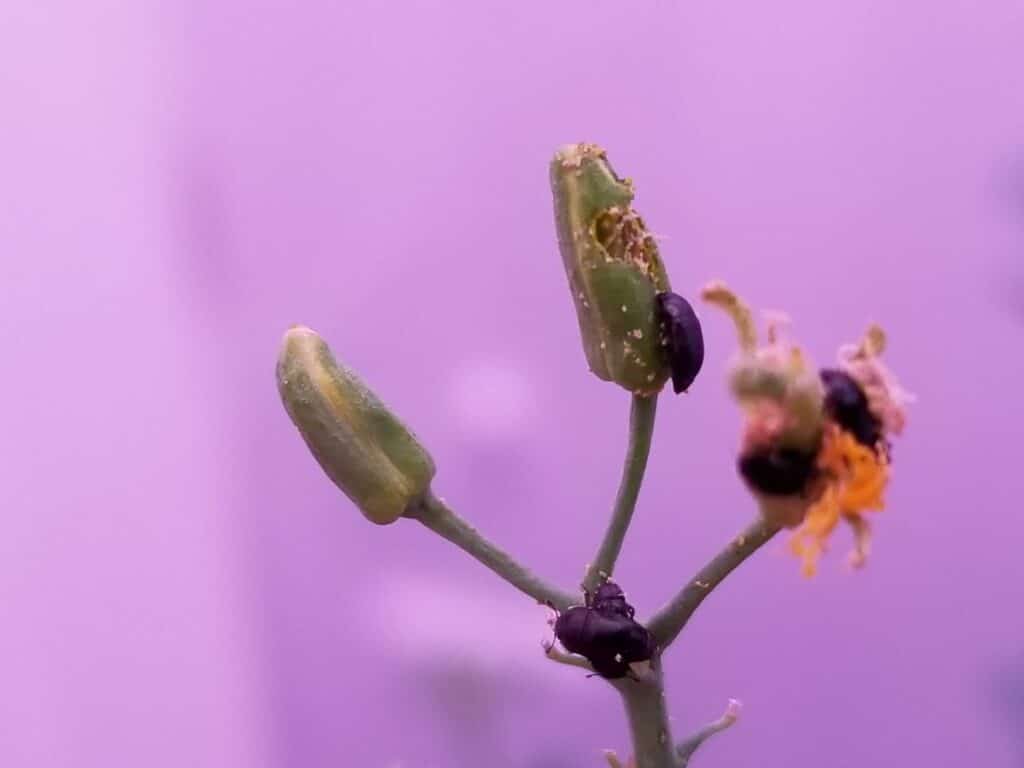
(847, 405)
(778, 471)
(610, 598)
(605, 632)
(684, 339)
(783, 471)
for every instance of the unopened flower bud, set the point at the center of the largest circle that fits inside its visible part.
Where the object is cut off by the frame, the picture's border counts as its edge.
(614, 270)
(368, 453)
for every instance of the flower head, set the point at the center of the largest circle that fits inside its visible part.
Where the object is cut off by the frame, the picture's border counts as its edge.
(865, 406)
(782, 399)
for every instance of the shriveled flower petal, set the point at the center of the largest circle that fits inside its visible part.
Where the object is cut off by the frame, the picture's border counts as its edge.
(861, 540)
(886, 398)
(719, 294)
(775, 375)
(865, 406)
(857, 478)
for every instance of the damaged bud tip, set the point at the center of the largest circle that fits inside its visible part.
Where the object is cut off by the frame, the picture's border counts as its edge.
(368, 453)
(613, 268)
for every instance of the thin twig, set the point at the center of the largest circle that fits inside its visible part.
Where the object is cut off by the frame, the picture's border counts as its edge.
(435, 515)
(685, 749)
(570, 659)
(641, 428)
(667, 623)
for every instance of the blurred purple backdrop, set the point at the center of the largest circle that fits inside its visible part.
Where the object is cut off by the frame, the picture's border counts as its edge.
(181, 181)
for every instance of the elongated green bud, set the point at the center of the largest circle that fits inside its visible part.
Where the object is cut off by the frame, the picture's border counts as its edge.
(363, 448)
(613, 267)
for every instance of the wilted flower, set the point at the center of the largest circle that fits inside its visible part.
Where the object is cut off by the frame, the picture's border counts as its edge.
(815, 445)
(865, 407)
(782, 399)
(368, 453)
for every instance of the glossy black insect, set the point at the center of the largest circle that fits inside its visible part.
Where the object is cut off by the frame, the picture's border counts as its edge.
(847, 405)
(605, 633)
(778, 471)
(609, 598)
(684, 339)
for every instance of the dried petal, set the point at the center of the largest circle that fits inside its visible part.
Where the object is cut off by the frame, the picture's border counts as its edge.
(857, 478)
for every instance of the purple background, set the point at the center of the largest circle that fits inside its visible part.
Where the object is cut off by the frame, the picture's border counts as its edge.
(179, 585)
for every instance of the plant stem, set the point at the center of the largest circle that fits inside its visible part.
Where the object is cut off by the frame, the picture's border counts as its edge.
(667, 623)
(648, 721)
(641, 428)
(435, 515)
(570, 659)
(686, 748)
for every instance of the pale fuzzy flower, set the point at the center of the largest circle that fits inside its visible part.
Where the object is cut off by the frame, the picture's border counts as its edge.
(782, 399)
(774, 381)
(886, 398)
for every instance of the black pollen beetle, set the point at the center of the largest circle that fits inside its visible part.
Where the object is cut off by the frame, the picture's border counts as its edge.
(609, 598)
(847, 405)
(683, 337)
(605, 632)
(778, 471)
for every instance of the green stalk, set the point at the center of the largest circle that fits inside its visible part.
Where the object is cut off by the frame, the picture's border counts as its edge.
(641, 429)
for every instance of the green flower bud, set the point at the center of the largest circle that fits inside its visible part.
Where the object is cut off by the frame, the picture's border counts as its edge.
(368, 453)
(613, 267)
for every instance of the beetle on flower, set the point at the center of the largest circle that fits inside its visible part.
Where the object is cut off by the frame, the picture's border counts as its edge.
(816, 445)
(865, 408)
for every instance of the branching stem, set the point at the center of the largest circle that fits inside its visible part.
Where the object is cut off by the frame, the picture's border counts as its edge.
(667, 623)
(686, 748)
(438, 517)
